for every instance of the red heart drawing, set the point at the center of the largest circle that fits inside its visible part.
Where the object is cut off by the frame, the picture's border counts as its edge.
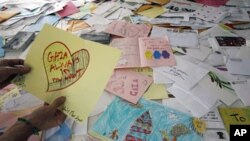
(63, 68)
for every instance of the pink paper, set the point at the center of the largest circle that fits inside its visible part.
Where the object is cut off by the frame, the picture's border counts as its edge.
(128, 85)
(69, 9)
(125, 29)
(215, 3)
(156, 52)
(130, 52)
(7, 89)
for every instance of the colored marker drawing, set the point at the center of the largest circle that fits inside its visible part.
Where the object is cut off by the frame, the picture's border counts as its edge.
(63, 68)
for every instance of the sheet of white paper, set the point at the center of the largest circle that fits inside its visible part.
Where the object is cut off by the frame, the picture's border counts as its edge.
(215, 59)
(241, 3)
(175, 104)
(225, 96)
(161, 20)
(201, 53)
(212, 32)
(29, 6)
(97, 20)
(80, 128)
(197, 109)
(78, 3)
(183, 6)
(102, 104)
(184, 38)
(161, 79)
(239, 66)
(22, 102)
(216, 135)
(213, 115)
(185, 74)
(213, 120)
(237, 13)
(204, 96)
(104, 7)
(185, 16)
(135, 6)
(242, 88)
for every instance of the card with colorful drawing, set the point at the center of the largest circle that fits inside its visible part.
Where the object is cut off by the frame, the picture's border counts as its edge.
(144, 52)
(146, 121)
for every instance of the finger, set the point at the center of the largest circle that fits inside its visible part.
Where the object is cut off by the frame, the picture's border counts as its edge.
(58, 102)
(17, 70)
(60, 117)
(11, 62)
(6, 82)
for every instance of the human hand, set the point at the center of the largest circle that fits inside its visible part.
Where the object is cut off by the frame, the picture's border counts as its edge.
(9, 68)
(48, 116)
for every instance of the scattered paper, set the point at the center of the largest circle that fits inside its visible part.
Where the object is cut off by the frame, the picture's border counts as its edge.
(177, 38)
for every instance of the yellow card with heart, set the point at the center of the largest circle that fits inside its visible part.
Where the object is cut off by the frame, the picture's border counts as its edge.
(65, 65)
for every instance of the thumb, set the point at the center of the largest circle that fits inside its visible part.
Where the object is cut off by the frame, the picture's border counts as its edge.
(58, 102)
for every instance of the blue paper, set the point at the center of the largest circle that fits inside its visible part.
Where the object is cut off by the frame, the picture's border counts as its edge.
(63, 134)
(146, 121)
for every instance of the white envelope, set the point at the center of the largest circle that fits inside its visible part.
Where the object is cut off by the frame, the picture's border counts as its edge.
(196, 108)
(239, 66)
(185, 74)
(242, 89)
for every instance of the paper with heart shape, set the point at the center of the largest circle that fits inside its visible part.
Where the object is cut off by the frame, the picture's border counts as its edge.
(63, 68)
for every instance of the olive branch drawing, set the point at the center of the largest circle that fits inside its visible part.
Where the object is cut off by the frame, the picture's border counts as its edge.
(219, 82)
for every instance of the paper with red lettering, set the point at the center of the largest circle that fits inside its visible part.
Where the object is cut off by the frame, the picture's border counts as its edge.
(128, 85)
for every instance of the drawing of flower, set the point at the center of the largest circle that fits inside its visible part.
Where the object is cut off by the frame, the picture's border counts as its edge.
(178, 130)
(198, 126)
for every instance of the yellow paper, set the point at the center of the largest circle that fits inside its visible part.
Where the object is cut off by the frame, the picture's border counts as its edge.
(153, 12)
(65, 65)
(235, 116)
(155, 91)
